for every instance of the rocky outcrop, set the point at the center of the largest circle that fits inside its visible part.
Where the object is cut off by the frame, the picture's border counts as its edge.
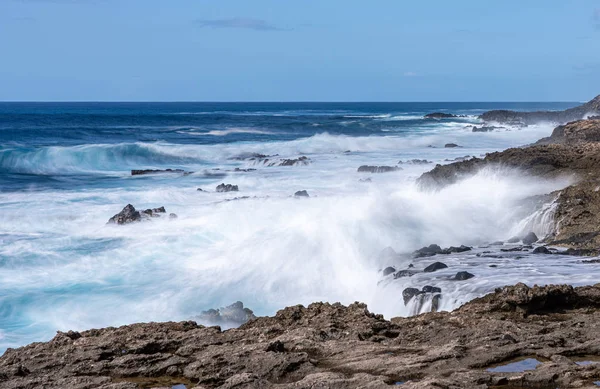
(130, 215)
(333, 346)
(227, 188)
(523, 118)
(157, 171)
(378, 169)
(581, 131)
(440, 115)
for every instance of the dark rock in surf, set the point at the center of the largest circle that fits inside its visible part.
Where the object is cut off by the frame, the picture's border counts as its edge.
(172, 216)
(409, 293)
(530, 238)
(127, 215)
(451, 145)
(157, 171)
(486, 128)
(415, 162)
(434, 267)
(200, 190)
(405, 273)
(427, 251)
(301, 193)
(388, 270)
(541, 250)
(440, 115)
(227, 188)
(463, 275)
(435, 303)
(452, 249)
(431, 289)
(365, 180)
(378, 169)
(292, 162)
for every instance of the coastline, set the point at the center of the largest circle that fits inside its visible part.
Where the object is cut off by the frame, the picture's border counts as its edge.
(348, 346)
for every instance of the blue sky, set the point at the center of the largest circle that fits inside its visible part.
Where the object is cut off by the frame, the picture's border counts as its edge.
(299, 50)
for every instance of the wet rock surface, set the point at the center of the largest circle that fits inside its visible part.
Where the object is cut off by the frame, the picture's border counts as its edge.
(301, 193)
(440, 115)
(333, 346)
(157, 171)
(227, 188)
(378, 169)
(130, 215)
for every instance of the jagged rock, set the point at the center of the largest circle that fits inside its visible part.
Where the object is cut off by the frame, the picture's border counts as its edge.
(434, 267)
(295, 161)
(451, 145)
(378, 169)
(530, 238)
(439, 115)
(130, 215)
(157, 171)
(227, 188)
(415, 162)
(541, 250)
(301, 193)
(330, 345)
(232, 315)
(463, 275)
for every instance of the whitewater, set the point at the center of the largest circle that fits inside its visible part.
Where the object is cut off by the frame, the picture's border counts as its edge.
(65, 169)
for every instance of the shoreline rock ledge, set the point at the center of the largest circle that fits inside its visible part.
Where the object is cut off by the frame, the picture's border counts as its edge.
(334, 346)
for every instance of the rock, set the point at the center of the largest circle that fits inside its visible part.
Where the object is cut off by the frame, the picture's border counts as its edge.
(434, 267)
(409, 293)
(523, 118)
(388, 270)
(431, 289)
(439, 115)
(541, 250)
(301, 193)
(172, 216)
(295, 161)
(252, 156)
(200, 190)
(452, 249)
(463, 275)
(227, 188)
(378, 169)
(233, 315)
(415, 162)
(451, 145)
(333, 346)
(577, 132)
(127, 215)
(157, 171)
(237, 169)
(486, 128)
(427, 251)
(514, 239)
(405, 273)
(530, 238)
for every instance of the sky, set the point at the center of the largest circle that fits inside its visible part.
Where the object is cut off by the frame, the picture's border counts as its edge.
(299, 50)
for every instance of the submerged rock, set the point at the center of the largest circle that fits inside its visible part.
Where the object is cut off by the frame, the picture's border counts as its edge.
(227, 188)
(434, 267)
(463, 275)
(378, 169)
(157, 171)
(440, 115)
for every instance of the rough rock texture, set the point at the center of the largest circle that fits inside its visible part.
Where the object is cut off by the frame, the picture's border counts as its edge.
(227, 188)
(580, 131)
(378, 169)
(231, 316)
(130, 215)
(523, 118)
(332, 346)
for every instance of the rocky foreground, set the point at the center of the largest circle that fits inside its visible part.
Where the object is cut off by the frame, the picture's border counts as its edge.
(333, 346)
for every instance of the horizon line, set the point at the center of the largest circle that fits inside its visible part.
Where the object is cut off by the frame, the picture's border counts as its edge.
(287, 101)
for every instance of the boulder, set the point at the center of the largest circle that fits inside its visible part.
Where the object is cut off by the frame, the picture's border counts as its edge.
(409, 293)
(431, 289)
(127, 215)
(427, 251)
(378, 169)
(388, 270)
(530, 238)
(434, 267)
(452, 249)
(541, 250)
(451, 145)
(301, 193)
(227, 188)
(463, 275)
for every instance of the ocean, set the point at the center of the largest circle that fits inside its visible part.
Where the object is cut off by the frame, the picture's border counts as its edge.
(65, 169)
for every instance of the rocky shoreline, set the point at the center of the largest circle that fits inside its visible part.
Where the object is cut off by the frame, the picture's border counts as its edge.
(334, 346)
